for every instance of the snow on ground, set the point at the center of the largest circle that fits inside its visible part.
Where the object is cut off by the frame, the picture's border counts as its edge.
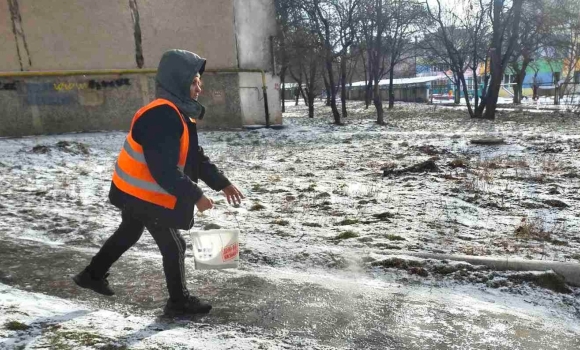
(317, 198)
(410, 318)
(37, 321)
(313, 181)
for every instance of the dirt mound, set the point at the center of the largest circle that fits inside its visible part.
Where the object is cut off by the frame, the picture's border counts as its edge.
(468, 273)
(72, 147)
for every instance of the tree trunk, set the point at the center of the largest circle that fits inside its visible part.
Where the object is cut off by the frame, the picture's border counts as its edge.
(378, 102)
(498, 64)
(303, 94)
(475, 82)
(332, 86)
(494, 85)
(343, 85)
(297, 96)
(461, 79)
(457, 94)
(391, 88)
(517, 98)
(327, 88)
(369, 86)
(520, 77)
(475, 90)
(311, 97)
(368, 94)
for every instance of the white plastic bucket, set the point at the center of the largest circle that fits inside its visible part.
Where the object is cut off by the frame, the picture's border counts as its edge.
(216, 249)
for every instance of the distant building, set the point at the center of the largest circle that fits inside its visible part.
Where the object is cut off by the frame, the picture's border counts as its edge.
(543, 74)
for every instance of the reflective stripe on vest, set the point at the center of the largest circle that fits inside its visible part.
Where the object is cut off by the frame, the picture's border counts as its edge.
(139, 157)
(132, 175)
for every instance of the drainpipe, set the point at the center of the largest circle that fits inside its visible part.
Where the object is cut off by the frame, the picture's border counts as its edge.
(66, 73)
(266, 109)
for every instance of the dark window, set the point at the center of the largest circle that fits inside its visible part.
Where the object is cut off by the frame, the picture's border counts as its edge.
(577, 77)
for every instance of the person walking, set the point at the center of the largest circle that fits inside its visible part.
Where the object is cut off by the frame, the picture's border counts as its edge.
(155, 179)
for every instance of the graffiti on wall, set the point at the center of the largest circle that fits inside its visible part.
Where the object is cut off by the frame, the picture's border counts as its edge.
(91, 84)
(44, 94)
(66, 93)
(98, 85)
(70, 86)
(59, 92)
(8, 86)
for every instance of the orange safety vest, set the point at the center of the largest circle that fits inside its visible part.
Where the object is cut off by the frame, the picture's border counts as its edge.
(131, 173)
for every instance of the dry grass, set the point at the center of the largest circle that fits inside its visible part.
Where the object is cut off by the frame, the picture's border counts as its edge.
(532, 228)
(281, 222)
(480, 180)
(500, 162)
(15, 326)
(538, 229)
(459, 163)
(257, 207)
(346, 235)
(548, 165)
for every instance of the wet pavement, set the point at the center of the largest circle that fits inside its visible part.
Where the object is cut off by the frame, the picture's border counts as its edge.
(347, 311)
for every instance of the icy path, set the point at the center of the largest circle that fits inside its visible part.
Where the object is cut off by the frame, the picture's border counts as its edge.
(266, 308)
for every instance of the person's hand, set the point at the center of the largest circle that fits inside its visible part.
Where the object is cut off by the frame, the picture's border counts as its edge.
(233, 195)
(204, 204)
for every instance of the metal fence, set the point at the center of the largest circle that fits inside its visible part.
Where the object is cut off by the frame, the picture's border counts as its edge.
(543, 93)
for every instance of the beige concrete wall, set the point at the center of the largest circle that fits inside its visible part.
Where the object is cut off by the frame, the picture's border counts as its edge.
(88, 34)
(8, 54)
(252, 99)
(255, 24)
(203, 26)
(76, 34)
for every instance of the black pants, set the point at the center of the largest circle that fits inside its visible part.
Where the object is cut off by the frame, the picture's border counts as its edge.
(170, 243)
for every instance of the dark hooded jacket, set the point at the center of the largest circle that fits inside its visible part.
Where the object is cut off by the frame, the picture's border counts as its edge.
(159, 131)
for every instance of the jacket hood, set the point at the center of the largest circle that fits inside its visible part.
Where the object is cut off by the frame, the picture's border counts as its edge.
(175, 73)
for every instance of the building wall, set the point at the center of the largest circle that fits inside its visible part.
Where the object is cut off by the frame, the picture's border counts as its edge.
(86, 34)
(202, 26)
(254, 27)
(55, 35)
(252, 99)
(107, 102)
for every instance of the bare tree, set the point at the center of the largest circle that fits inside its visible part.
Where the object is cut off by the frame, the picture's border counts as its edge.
(476, 26)
(563, 52)
(365, 42)
(305, 63)
(374, 27)
(504, 18)
(539, 18)
(404, 19)
(505, 24)
(455, 40)
(386, 29)
(333, 22)
(283, 9)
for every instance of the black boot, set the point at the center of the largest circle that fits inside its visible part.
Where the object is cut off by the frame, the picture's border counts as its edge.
(190, 306)
(101, 286)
